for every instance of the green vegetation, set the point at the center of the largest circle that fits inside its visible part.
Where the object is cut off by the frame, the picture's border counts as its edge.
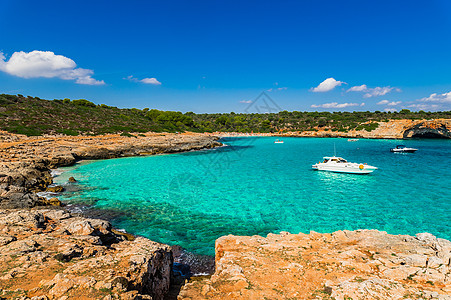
(34, 116)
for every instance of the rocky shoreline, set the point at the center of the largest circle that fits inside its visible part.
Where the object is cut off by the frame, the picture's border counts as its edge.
(392, 129)
(25, 163)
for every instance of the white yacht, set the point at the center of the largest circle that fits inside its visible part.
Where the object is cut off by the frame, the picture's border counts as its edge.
(403, 149)
(340, 165)
(278, 142)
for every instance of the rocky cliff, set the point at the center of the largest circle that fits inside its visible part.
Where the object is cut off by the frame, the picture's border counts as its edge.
(392, 129)
(25, 162)
(363, 264)
(49, 254)
(429, 129)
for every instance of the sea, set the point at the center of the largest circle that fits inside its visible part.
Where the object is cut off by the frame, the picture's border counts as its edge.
(252, 186)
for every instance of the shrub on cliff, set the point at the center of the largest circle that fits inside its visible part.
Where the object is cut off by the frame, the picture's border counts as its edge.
(83, 102)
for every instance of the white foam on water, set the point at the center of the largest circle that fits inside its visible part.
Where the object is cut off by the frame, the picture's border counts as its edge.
(201, 274)
(47, 195)
(56, 172)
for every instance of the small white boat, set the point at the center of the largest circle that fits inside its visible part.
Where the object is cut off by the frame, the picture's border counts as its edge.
(340, 165)
(353, 140)
(278, 142)
(403, 149)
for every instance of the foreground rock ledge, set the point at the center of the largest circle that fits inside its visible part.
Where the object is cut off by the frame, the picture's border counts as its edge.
(363, 264)
(52, 253)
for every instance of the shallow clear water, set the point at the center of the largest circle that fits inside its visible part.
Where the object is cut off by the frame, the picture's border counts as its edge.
(254, 186)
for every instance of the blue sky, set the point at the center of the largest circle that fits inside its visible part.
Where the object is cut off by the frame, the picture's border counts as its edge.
(217, 56)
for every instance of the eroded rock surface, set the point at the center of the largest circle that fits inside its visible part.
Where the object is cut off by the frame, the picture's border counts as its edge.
(25, 162)
(364, 264)
(49, 254)
(392, 129)
(430, 129)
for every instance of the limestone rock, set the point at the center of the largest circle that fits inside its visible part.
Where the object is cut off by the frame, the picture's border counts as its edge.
(50, 254)
(361, 264)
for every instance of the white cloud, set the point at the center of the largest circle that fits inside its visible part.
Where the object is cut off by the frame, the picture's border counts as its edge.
(372, 92)
(152, 80)
(424, 106)
(277, 89)
(327, 85)
(442, 98)
(246, 101)
(390, 109)
(358, 88)
(336, 105)
(46, 64)
(379, 91)
(386, 102)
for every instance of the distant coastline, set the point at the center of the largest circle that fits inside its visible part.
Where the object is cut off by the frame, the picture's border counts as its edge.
(392, 129)
(33, 116)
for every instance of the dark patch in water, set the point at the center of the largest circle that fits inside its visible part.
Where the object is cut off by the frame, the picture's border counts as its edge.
(189, 263)
(186, 264)
(104, 214)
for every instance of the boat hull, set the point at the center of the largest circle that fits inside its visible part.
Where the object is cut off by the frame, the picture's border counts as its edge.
(349, 169)
(403, 151)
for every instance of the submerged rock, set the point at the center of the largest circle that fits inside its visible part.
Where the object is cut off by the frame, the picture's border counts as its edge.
(52, 201)
(55, 189)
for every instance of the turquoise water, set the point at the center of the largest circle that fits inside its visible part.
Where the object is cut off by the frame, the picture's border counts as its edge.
(254, 186)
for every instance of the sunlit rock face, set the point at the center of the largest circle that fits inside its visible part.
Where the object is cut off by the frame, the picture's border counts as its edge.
(362, 264)
(50, 253)
(435, 129)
